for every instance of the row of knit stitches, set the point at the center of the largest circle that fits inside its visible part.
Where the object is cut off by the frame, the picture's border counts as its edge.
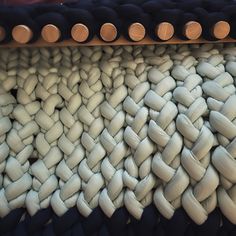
(70, 141)
(17, 180)
(89, 114)
(162, 131)
(7, 103)
(200, 197)
(46, 142)
(227, 190)
(110, 125)
(220, 91)
(138, 177)
(112, 196)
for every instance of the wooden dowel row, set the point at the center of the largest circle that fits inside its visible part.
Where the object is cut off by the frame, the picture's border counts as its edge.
(22, 34)
(108, 32)
(165, 31)
(192, 30)
(137, 32)
(51, 33)
(221, 29)
(80, 33)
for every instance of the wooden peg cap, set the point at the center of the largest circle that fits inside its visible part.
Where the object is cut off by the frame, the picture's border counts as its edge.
(165, 31)
(2, 33)
(192, 30)
(22, 34)
(50, 33)
(221, 29)
(136, 32)
(108, 32)
(80, 32)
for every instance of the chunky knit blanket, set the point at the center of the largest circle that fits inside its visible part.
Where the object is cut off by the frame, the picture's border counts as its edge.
(142, 132)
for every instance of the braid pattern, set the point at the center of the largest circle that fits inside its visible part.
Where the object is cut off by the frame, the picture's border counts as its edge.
(8, 82)
(162, 130)
(221, 96)
(90, 116)
(124, 140)
(17, 180)
(200, 198)
(137, 176)
(112, 76)
(47, 117)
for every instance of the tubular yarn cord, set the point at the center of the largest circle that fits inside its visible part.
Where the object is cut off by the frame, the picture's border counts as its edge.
(114, 139)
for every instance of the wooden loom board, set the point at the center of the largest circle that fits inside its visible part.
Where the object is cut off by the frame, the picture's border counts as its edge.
(121, 41)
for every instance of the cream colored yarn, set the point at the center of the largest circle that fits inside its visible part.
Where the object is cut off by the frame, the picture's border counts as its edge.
(17, 180)
(93, 124)
(46, 142)
(138, 177)
(162, 130)
(112, 196)
(7, 82)
(69, 143)
(122, 126)
(200, 198)
(221, 100)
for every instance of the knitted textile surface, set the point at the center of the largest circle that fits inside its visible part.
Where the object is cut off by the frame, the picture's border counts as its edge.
(130, 133)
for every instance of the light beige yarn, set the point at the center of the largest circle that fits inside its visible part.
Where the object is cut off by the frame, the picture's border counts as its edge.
(89, 114)
(69, 143)
(221, 100)
(17, 180)
(112, 196)
(7, 102)
(162, 130)
(7, 82)
(138, 177)
(122, 126)
(200, 198)
(46, 142)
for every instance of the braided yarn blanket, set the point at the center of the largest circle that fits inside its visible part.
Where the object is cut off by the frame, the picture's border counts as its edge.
(124, 140)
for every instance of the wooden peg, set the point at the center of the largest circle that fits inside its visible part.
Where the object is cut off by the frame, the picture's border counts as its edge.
(136, 32)
(221, 30)
(108, 32)
(192, 30)
(50, 33)
(165, 31)
(80, 32)
(22, 34)
(2, 33)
